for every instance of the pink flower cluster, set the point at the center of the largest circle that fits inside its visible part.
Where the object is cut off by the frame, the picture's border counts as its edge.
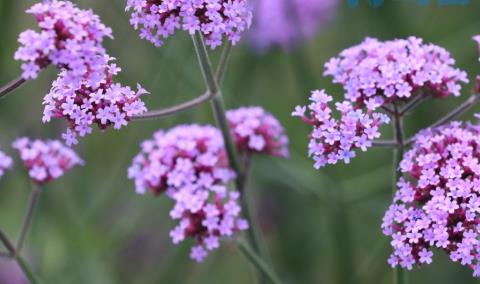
(6, 163)
(437, 202)
(84, 93)
(159, 19)
(69, 38)
(375, 71)
(332, 140)
(46, 160)
(284, 23)
(257, 131)
(189, 163)
(109, 104)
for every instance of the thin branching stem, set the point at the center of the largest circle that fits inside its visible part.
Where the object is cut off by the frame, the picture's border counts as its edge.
(220, 74)
(10, 86)
(388, 110)
(258, 262)
(218, 107)
(155, 114)
(7, 243)
(31, 275)
(223, 62)
(400, 275)
(28, 216)
(219, 112)
(22, 263)
(465, 106)
(412, 104)
(385, 143)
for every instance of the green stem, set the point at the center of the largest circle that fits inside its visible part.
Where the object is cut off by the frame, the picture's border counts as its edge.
(256, 261)
(159, 113)
(28, 216)
(465, 106)
(11, 86)
(252, 233)
(222, 64)
(217, 105)
(6, 242)
(400, 275)
(222, 123)
(29, 273)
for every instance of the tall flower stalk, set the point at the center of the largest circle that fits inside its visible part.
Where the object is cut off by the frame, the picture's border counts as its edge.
(219, 111)
(400, 275)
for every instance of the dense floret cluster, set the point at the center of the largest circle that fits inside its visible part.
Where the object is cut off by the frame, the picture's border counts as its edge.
(109, 104)
(284, 23)
(437, 201)
(257, 131)
(395, 70)
(189, 163)
(46, 160)
(215, 19)
(69, 38)
(333, 140)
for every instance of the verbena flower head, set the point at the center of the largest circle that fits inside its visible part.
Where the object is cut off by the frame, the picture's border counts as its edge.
(215, 19)
(257, 131)
(46, 160)
(206, 215)
(437, 203)
(333, 140)
(69, 38)
(181, 156)
(284, 23)
(6, 163)
(108, 104)
(395, 70)
(189, 162)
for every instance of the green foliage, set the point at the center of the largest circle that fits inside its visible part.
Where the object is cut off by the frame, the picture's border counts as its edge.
(318, 226)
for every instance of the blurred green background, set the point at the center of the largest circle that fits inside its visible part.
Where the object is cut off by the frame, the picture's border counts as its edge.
(318, 226)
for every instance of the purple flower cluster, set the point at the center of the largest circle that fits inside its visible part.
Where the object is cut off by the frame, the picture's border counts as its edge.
(69, 38)
(376, 72)
(257, 131)
(284, 23)
(46, 160)
(189, 163)
(159, 19)
(6, 163)
(437, 202)
(109, 104)
(206, 214)
(332, 140)
(84, 92)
